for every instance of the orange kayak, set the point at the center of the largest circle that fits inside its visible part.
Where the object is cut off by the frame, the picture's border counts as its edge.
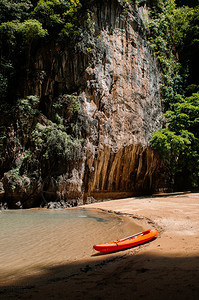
(128, 242)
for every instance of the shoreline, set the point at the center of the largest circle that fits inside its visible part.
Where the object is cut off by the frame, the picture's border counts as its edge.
(173, 215)
(162, 269)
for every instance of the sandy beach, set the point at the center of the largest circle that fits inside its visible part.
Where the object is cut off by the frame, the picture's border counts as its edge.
(165, 268)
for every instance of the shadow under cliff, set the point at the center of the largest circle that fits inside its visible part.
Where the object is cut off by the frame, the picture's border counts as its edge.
(129, 275)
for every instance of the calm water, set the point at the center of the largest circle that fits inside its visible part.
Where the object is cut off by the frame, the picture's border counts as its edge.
(33, 240)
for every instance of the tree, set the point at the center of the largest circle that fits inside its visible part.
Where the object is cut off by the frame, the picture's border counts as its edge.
(186, 36)
(56, 14)
(178, 142)
(14, 10)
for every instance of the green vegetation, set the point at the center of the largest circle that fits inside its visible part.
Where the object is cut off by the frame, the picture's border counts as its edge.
(67, 111)
(58, 16)
(29, 106)
(53, 143)
(47, 145)
(178, 142)
(161, 42)
(174, 38)
(48, 148)
(18, 182)
(26, 25)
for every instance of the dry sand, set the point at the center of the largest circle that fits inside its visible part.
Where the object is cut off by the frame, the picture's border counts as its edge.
(165, 268)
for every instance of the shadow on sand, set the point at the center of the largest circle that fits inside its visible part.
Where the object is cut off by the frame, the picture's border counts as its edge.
(123, 276)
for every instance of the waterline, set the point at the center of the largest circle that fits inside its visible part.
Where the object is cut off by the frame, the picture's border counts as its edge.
(33, 240)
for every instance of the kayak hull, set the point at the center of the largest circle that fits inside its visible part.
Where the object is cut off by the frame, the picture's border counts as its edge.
(128, 242)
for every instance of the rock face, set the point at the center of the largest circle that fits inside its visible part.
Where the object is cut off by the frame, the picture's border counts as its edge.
(116, 79)
(122, 99)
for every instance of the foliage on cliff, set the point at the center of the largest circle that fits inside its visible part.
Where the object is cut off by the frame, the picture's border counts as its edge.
(23, 24)
(174, 38)
(35, 147)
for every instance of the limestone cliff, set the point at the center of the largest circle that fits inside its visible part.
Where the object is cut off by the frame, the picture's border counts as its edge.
(116, 80)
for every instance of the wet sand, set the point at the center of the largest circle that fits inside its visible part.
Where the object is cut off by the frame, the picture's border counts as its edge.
(165, 268)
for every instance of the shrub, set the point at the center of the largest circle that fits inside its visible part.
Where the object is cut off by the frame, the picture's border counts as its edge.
(53, 142)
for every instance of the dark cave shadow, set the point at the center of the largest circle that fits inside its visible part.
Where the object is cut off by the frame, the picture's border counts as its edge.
(135, 276)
